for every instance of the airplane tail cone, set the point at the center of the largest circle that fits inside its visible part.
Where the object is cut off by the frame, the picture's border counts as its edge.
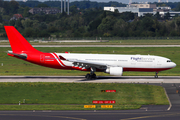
(18, 43)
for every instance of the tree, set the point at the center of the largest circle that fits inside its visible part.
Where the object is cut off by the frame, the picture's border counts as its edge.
(40, 18)
(52, 29)
(174, 33)
(42, 5)
(49, 18)
(176, 15)
(43, 33)
(12, 22)
(26, 12)
(35, 23)
(1, 20)
(18, 23)
(1, 3)
(177, 7)
(116, 11)
(42, 26)
(73, 9)
(94, 24)
(147, 24)
(167, 16)
(28, 32)
(148, 15)
(157, 16)
(106, 24)
(127, 16)
(177, 23)
(156, 26)
(27, 23)
(120, 28)
(6, 7)
(14, 6)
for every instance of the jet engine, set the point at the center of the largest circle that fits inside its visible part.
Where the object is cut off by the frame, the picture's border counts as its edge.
(115, 71)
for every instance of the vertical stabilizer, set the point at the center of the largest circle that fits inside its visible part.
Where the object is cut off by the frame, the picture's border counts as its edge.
(17, 41)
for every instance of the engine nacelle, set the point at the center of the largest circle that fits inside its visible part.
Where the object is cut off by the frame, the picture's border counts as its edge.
(115, 71)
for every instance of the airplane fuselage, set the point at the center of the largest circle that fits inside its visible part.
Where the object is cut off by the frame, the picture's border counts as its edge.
(114, 64)
(146, 63)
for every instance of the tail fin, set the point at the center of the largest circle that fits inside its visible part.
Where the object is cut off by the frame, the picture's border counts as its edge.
(17, 41)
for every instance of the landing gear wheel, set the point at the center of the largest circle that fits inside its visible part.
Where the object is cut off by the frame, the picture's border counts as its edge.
(156, 76)
(88, 76)
(93, 76)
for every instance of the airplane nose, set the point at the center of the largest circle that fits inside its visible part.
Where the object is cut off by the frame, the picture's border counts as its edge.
(173, 64)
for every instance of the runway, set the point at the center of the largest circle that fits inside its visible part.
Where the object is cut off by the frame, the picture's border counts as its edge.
(100, 45)
(100, 79)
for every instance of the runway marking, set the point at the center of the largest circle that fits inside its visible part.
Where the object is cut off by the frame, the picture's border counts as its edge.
(170, 105)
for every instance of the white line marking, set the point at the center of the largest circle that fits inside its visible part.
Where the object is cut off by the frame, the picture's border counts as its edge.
(170, 105)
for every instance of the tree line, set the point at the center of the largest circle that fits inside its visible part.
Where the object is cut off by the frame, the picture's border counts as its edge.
(91, 22)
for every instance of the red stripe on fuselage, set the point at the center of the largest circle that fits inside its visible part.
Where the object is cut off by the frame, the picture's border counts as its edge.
(59, 60)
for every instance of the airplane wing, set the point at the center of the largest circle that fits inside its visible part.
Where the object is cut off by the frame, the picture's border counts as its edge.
(84, 63)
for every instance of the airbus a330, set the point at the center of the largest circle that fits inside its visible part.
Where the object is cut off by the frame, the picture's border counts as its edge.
(114, 64)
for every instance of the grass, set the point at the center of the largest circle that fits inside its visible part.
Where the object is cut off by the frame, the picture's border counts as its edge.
(65, 107)
(72, 96)
(14, 66)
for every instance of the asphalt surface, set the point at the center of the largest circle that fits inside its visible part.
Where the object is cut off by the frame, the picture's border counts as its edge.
(90, 115)
(100, 45)
(100, 79)
(147, 112)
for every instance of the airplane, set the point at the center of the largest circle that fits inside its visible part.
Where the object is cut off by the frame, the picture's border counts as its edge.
(114, 64)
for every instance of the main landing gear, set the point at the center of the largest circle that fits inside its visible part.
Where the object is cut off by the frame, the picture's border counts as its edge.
(156, 76)
(92, 75)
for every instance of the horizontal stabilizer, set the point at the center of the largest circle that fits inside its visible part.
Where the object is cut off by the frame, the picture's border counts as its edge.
(22, 56)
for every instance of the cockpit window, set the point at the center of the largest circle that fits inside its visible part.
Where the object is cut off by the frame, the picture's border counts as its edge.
(169, 61)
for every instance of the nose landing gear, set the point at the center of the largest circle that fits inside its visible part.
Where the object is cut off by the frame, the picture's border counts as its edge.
(156, 76)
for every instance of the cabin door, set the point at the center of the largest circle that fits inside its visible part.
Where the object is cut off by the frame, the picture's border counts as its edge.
(42, 58)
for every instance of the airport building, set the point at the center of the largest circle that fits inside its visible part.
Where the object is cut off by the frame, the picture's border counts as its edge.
(172, 13)
(142, 9)
(138, 11)
(44, 10)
